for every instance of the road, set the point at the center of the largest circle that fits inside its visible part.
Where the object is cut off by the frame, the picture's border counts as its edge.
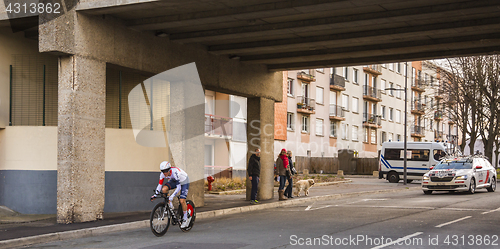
(440, 220)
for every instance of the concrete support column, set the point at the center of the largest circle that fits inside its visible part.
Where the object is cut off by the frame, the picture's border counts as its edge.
(81, 139)
(260, 134)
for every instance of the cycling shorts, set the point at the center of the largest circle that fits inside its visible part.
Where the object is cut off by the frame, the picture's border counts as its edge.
(184, 188)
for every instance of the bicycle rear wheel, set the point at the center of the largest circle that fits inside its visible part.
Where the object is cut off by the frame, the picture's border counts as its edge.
(159, 220)
(191, 209)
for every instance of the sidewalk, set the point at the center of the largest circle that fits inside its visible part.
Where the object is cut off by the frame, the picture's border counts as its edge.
(14, 226)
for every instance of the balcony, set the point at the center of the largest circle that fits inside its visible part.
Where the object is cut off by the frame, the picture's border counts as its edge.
(305, 76)
(439, 93)
(372, 120)
(438, 135)
(337, 112)
(418, 85)
(216, 126)
(417, 131)
(373, 69)
(337, 82)
(305, 105)
(372, 93)
(417, 108)
(438, 115)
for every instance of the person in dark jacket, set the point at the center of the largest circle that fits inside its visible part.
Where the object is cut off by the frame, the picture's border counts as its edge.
(288, 190)
(253, 171)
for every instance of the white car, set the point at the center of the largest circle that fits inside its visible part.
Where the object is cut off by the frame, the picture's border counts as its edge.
(461, 174)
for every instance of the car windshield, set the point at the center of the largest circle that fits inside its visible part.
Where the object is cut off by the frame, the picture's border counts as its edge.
(454, 165)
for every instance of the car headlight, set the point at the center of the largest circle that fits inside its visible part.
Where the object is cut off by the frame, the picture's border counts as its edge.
(461, 177)
(426, 177)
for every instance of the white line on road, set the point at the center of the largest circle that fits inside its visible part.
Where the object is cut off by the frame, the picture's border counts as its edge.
(398, 240)
(451, 222)
(491, 211)
(308, 207)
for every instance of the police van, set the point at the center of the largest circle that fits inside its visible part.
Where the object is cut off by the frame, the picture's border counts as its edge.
(421, 156)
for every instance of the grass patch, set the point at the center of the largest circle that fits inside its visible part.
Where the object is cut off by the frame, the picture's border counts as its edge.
(225, 184)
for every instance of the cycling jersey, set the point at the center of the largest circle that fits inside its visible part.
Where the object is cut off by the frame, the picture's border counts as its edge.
(178, 177)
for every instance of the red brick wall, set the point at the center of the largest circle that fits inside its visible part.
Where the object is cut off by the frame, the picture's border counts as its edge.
(280, 113)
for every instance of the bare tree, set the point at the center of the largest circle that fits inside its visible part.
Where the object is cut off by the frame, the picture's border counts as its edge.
(473, 98)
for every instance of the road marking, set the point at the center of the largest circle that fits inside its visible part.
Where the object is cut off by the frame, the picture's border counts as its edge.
(491, 211)
(398, 240)
(308, 207)
(451, 222)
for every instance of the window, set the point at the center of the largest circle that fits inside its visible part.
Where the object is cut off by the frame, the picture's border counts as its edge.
(290, 121)
(390, 66)
(289, 90)
(383, 137)
(384, 65)
(305, 90)
(399, 137)
(382, 85)
(398, 116)
(431, 126)
(333, 129)
(366, 80)
(391, 136)
(391, 86)
(405, 71)
(398, 67)
(374, 81)
(354, 133)
(412, 76)
(345, 102)
(305, 124)
(398, 93)
(373, 136)
(432, 80)
(345, 128)
(319, 95)
(355, 76)
(365, 137)
(426, 78)
(391, 112)
(319, 127)
(398, 154)
(355, 104)
(432, 103)
(382, 111)
(346, 73)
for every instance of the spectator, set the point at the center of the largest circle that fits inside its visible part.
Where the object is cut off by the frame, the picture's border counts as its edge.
(283, 173)
(288, 190)
(253, 171)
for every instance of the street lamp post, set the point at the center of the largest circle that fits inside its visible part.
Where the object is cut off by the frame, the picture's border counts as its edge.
(406, 122)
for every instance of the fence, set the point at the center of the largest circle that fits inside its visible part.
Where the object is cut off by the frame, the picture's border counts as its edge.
(218, 171)
(330, 165)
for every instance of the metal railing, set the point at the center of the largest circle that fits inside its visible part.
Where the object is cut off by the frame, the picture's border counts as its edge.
(336, 110)
(419, 83)
(218, 126)
(372, 119)
(372, 92)
(417, 106)
(374, 67)
(337, 80)
(305, 103)
(419, 130)
(305, 76)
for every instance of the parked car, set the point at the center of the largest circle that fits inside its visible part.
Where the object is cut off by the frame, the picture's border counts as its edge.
(461, 174)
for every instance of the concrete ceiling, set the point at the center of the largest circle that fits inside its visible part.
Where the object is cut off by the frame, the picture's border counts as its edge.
(317, 33)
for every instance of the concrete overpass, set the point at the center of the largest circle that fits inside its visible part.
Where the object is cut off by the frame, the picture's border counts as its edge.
(239, 47)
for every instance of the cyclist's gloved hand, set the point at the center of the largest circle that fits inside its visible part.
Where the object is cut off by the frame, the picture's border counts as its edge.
(153, 197)
(157, 193)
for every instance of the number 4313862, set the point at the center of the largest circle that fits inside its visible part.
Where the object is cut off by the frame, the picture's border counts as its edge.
(33, 8)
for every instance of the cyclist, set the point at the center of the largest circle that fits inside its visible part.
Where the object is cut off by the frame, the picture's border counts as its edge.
(179, 180)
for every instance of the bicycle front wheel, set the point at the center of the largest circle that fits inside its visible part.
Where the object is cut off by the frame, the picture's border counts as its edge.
(160, 220)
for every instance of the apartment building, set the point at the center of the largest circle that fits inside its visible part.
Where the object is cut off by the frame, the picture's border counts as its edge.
(360, 107)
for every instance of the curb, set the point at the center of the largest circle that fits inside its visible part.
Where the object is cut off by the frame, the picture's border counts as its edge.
(241, 191)
(96, 231)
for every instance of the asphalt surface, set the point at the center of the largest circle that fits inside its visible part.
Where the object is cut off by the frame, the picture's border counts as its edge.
(409, 218)
(12, 227)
